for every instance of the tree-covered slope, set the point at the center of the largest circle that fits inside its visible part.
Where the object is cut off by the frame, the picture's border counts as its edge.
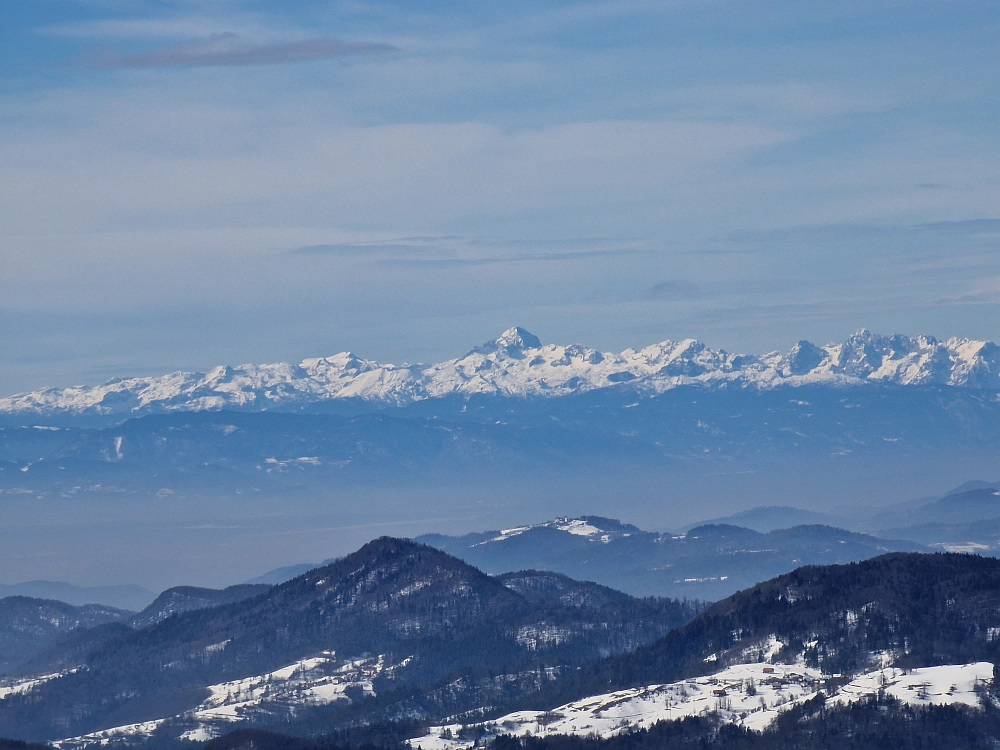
(923, 609)
(422, 610)
(28, 626)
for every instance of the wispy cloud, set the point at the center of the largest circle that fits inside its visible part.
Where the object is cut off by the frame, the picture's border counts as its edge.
(169, 28)
(969, 226)
(852, 231)
(672, 290)
(456, 252)
(353, 248)
(505, 259)
(398, 245)
(231, 49)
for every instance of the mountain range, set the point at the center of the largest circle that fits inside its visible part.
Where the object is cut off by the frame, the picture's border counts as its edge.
(707, 562)
(127, 597)
(872, 439)
(204, 473)
(402, 640)
(47, 636)
(518, 364)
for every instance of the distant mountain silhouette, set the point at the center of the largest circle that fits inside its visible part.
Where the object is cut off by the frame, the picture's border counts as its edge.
(708, 562)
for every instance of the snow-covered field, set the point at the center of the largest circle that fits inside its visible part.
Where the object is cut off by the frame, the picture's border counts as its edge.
(751, 695)
(19, 687)
(951, 684)
(518, 364)
(574, 526)
(315, 681)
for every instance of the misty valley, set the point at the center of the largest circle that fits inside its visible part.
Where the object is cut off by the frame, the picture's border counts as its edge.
(782, 572)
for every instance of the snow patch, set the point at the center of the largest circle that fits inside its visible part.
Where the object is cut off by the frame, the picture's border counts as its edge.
(316, 681)
(20, 687)
(535, 637)
(577, 526)
(969, 548)
(574, 526)
(958, 684)
(749, 695)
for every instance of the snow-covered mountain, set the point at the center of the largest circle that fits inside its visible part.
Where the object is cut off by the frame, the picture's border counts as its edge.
(708, 562)
(518, 364)
(463, 658)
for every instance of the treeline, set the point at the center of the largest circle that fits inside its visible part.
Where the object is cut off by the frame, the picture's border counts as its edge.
(19, 745)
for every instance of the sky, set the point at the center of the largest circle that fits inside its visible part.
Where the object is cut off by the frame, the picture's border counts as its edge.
(186, 184)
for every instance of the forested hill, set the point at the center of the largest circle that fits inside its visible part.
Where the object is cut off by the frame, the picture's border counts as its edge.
(28, 626)
(450, 640)
(926, 609)
(422, 612)
(187, 598)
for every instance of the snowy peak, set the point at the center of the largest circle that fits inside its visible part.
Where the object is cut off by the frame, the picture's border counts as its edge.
(512, 343)
(803, 358)
(518, 364)
(518, 338)
(592, 528)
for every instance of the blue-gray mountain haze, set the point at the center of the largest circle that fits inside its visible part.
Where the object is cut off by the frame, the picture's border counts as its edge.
(200, 478)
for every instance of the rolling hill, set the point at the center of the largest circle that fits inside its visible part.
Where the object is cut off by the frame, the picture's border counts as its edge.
(395, 615)
(707, 562)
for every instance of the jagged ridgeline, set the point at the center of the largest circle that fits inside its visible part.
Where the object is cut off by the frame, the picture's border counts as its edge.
(518, 364)
(869, 418)
(395, 617)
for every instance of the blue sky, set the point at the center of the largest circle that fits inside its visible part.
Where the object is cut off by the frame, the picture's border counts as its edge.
(191, 183)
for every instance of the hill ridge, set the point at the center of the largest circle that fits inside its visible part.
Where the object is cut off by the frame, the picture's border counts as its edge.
(395, 613)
